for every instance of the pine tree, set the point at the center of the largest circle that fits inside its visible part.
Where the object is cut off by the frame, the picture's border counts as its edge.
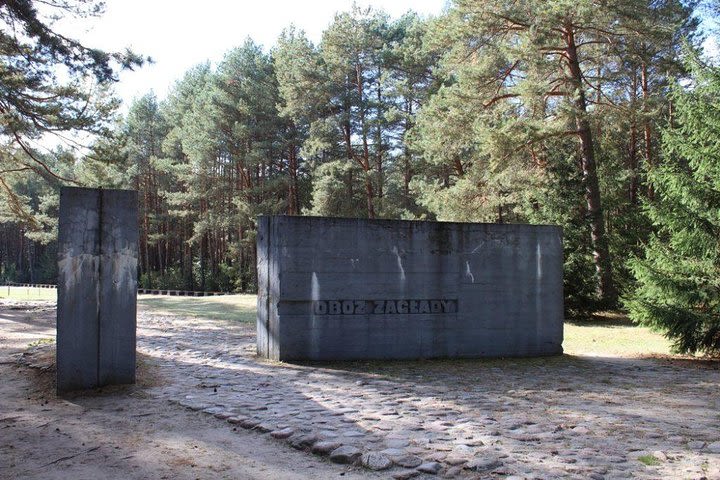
(144, 131)
(678, 280)
(517, 77)
(49, 85)
(33, 99)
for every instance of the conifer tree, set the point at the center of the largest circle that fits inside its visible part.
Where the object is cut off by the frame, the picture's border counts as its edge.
(678, 280)
(50, 84)
(521, 75)
(34, 100)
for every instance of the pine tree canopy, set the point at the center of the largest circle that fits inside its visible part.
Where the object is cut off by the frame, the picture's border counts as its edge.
(50, 83)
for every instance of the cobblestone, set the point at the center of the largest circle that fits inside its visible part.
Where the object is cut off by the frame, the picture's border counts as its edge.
(546, 418)
(376, 461)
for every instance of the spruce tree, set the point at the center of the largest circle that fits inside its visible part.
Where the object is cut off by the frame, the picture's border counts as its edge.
(678, 280)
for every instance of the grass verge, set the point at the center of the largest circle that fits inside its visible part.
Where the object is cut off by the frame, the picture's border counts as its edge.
(236, 308)
(28, 293)
(609, 333)
(613, 334)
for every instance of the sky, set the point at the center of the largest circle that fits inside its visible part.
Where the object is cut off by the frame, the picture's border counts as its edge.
(180, 34)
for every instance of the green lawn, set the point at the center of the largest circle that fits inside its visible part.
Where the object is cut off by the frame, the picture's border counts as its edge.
(613, 334)
(28, 293)
(240, 308)
(607, 334)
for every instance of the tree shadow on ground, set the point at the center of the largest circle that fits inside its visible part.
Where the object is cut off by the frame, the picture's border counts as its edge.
(520, 409)
(603, 319)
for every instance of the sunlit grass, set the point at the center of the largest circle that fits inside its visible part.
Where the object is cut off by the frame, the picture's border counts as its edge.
(613, 334)
(236, 308)
(28, 293)
(609, 333)
(649, 460)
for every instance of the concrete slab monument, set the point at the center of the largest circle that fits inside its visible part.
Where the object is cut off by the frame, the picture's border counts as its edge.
(97, 287)
(346, 289)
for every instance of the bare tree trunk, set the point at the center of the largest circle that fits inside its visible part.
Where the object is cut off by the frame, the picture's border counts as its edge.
(407, 157)
(369, 194)
(632, 148)
(365, 160)
(293, 196)
(145, 233)
(31, 260)
(378, 141)
(598, 236)
(648, 128)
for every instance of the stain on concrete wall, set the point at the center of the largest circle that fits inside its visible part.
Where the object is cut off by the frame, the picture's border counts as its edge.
(97, 288)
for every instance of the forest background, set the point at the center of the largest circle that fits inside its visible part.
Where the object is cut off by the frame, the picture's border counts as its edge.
(541, 111)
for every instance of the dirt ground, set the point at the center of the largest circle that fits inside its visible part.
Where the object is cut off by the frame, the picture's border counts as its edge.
(574, 416)
(120, 432)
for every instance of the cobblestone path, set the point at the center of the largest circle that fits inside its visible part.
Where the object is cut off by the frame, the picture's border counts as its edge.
(569, 417)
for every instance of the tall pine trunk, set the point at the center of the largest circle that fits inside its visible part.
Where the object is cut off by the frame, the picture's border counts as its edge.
(379, 139)
(598, 236)
(365, 159)
(407, 156)
(632, 147)
(293, 196)
(647, 130)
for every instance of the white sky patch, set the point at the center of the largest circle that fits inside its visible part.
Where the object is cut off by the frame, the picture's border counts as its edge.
(180, 34)
(711, 50)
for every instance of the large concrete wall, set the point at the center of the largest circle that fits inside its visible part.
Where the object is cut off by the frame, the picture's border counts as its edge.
(97, 288)
(341, 289)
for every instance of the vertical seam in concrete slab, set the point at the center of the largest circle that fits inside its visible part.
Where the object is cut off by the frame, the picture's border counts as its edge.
(99, 282)
(267, 286)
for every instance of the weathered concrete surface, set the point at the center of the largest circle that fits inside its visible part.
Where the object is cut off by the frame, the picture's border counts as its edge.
(118, 287)
(341, 289)
(78, 263)
(97, 288)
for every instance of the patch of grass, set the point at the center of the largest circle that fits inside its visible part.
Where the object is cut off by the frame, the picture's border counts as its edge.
(649, 460)
(42, 341)
(28, 293)
(609, 333)
(613, 334)
(233, 308)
